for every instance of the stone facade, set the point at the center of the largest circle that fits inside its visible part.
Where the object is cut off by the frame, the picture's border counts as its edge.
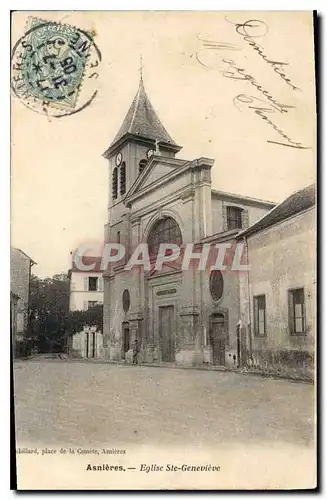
(86, 287)
(20, 274)
(170, 311)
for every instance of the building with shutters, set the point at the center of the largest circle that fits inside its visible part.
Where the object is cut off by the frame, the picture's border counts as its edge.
(187, 317)
(278, 293)
(86, 287)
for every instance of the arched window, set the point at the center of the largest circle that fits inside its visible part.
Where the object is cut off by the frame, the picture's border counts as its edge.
(115, 183)
(234, 217)
(118, 236)
(216, 285)
(123, 178)
(164, 231)
(142, 165)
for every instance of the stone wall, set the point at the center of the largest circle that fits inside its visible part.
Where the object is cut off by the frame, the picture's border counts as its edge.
(284, 362)
(87, 343)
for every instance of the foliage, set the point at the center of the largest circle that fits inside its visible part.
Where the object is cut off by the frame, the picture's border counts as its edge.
(91, 317)
(50, 322)
(49, 304)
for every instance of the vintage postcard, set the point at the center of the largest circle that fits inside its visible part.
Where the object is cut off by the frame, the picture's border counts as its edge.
(163, 250)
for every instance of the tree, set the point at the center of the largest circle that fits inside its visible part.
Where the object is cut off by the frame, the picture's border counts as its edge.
(78, 319)
(49, 310)
(51, 324)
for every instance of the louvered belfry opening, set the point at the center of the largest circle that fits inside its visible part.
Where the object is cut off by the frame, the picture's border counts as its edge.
(123, 178)
(115, 183)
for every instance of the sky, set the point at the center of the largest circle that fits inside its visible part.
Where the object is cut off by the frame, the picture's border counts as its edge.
(59, 179)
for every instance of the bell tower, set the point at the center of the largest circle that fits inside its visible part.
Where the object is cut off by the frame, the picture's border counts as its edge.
(140, 136)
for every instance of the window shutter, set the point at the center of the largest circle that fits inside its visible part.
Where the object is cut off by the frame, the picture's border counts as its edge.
(291, 312)
(100, 284)
(229, 223)
(234, 217)
(85, 305)
(123, 178)
(255, 315)
(245, 218)
(115, 183)
(225, 218)
(86, 284)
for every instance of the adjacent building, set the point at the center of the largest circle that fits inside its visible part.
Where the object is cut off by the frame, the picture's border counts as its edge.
(86, 287)
(278, 293)
(20, 275)
(86, 291)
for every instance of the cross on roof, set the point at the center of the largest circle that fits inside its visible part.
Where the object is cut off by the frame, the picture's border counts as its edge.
(141, 67)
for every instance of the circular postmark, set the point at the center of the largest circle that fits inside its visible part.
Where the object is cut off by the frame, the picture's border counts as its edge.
(54, 68)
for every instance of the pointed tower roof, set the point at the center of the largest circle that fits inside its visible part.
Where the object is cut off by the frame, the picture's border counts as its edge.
(142, 121)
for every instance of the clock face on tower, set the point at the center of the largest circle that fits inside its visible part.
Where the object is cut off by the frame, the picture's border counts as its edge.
(149, 153)
(119, 158)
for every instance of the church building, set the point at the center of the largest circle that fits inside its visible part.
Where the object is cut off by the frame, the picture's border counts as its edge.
(181, 316)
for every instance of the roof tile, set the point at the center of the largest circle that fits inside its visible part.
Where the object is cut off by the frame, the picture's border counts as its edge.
(142, 120)
(294, 204)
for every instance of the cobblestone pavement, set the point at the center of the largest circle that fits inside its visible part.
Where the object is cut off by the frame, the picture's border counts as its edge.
(81, 403)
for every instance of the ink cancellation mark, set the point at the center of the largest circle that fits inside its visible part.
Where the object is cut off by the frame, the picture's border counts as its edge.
(54, 68)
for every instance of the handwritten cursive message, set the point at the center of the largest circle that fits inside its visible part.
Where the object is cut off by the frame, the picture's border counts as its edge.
(267, 104)
(254, 28)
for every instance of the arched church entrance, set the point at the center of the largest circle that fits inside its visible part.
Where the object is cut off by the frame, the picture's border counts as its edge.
(167, 333)
(126, 338)
(164, 290)
(218, 338)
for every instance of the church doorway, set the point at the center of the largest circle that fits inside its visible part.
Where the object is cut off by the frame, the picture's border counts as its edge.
(218, 339)
(126, 339)
(166, 333)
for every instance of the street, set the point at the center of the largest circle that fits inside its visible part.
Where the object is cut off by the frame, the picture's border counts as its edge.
(89, 404)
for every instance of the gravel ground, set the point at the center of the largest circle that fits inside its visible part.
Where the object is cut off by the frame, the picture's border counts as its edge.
(58, 401)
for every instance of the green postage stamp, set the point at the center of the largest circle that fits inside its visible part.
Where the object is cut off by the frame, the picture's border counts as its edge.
(51, 65)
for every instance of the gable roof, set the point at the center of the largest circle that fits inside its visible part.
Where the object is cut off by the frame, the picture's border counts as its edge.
(15, 249)
(155, 161)
(244, 199)
(294, 204)
(142, 120)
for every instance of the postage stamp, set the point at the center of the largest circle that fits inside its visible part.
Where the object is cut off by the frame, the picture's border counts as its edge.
(51, 68)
